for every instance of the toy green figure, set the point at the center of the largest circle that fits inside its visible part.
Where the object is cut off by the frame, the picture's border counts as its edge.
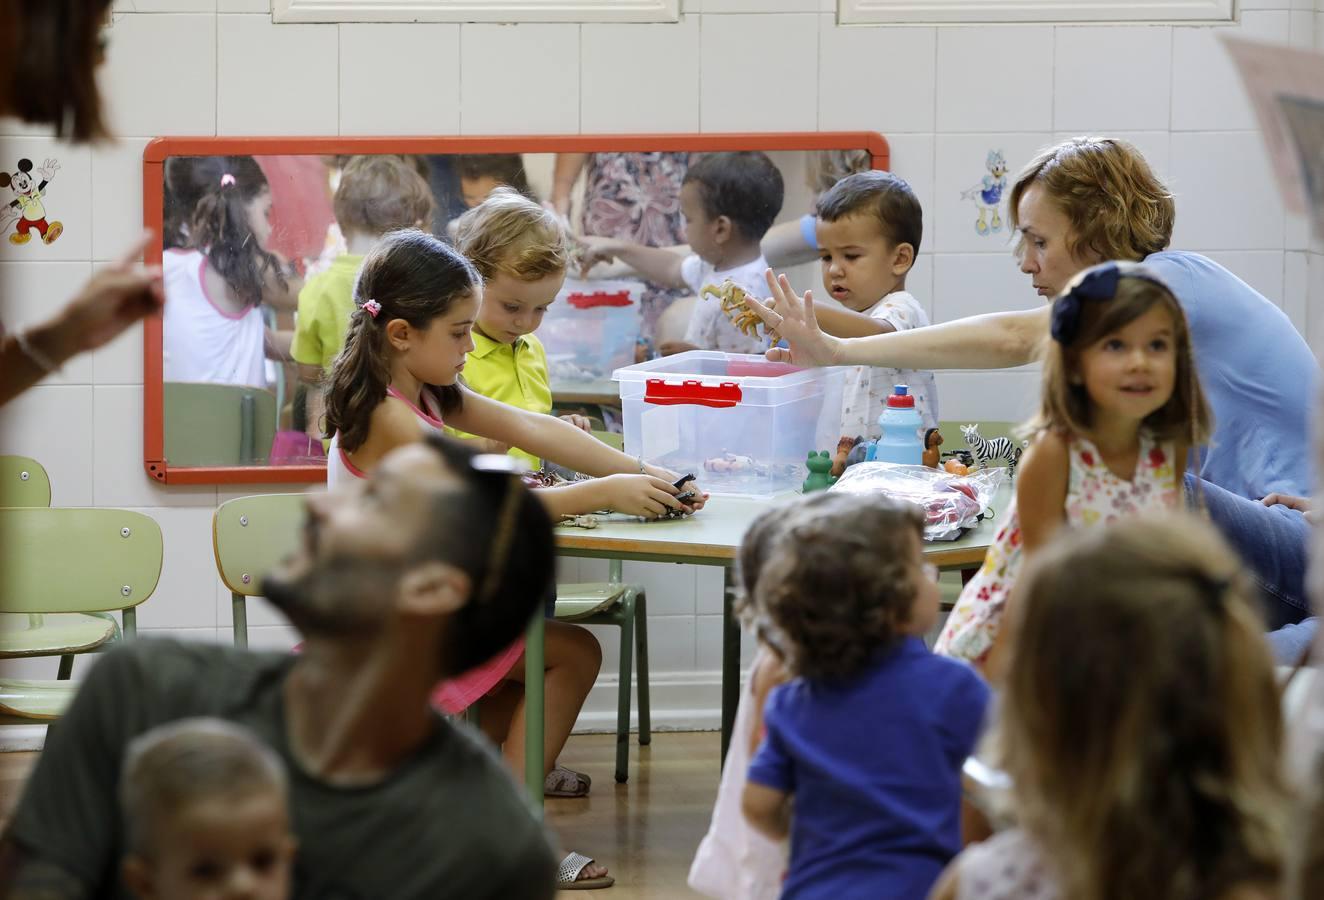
(819, 464)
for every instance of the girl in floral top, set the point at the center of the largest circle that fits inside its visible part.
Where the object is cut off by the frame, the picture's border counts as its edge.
(1121, 408)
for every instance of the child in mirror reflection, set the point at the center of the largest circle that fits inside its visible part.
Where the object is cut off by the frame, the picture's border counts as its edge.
(729, 201)
(218, 282)
(376, 195)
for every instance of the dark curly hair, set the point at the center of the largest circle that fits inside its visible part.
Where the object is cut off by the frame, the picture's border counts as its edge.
(745, 186)
(837, 581)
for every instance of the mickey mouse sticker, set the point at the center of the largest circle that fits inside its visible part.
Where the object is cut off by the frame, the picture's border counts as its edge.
(26, 206)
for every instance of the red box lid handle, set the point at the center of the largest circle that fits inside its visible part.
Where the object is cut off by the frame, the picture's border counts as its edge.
(598, 298)
(692, 393)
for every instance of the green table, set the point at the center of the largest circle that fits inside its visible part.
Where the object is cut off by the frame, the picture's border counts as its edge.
(712, 538)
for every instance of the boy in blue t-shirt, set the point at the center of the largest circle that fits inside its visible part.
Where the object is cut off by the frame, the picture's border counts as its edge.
(870, 737)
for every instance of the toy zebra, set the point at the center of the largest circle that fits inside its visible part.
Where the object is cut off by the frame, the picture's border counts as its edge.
(998, 448)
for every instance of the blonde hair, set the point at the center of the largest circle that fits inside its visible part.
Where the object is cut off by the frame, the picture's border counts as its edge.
(824, 168)
(1065, 404)
(510, 234)
(191, 760)
(1117, 207)
(381, 193)
(1146, 753)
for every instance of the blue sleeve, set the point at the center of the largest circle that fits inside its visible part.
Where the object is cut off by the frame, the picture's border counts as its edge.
(968, 706)
(772, 766)
(808, 222)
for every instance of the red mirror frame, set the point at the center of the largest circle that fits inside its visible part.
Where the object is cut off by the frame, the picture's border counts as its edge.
(158, 150)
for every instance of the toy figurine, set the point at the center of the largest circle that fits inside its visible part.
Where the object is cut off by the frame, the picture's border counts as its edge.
(932, 441)
(999, 448)
(819, 464)
(844, 447)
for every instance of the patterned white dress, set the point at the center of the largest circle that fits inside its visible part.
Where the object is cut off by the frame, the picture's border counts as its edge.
(1094, 495)
(1007, 866)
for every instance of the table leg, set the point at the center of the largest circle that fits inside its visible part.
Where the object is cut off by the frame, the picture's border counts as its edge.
(534, 671)
(730, 657)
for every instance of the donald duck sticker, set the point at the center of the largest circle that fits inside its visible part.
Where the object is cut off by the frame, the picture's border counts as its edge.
(987, 195)
(26, 206)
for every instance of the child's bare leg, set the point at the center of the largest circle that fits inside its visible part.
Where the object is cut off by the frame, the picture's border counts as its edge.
(496, 710)
(572, 659)
(768, 673)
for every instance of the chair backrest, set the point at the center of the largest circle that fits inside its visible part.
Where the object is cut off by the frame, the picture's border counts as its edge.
(23, 482)
(250, 535)
(218, 424)
(77, 560)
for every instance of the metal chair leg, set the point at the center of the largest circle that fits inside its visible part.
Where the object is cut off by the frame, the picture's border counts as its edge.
(239, 612)
(534, 722)
(641, 668)
(623, 692)
(66, 667)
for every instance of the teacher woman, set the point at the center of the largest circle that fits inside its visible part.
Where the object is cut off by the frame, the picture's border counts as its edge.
(1084, 201)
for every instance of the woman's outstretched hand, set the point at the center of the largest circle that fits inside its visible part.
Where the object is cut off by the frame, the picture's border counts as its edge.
(792, 317)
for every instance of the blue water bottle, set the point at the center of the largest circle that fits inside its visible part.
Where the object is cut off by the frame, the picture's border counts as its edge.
(903, 430)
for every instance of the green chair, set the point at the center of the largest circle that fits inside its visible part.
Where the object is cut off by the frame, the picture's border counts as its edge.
(612, 439)
(218, 424)
(60, 561)
(626, 607)
(250, 535)
(23, 482)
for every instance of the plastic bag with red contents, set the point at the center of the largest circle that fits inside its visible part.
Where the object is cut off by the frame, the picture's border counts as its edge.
(951, 503)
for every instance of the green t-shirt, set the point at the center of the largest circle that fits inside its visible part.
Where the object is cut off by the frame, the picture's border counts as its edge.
(449, 822)
(325, 305)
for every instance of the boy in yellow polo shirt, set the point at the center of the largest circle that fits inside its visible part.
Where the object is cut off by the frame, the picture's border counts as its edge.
(376, 195)
(521, 250)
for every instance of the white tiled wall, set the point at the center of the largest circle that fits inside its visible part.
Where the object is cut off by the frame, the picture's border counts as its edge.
(944, 96)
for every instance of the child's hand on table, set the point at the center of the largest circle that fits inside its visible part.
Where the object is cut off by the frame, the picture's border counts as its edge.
(640, 495)
(696, 502)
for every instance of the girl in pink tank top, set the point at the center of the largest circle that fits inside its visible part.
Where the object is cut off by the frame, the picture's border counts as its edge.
(399, 374)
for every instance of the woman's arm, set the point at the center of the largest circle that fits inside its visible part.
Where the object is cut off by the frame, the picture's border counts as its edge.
(784, 246)
(565, 172)
(993, 341)
(550, 438)
(112, 300)
(767, 810)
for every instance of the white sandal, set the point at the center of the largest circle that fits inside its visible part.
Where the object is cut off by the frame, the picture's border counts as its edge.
(567, 874)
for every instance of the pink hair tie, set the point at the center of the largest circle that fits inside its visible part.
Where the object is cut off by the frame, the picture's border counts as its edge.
(227, 180)
(372, 307)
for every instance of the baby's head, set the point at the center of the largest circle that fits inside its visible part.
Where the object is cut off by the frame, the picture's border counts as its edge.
(415, 302)
(1141, 720)
(381, 193)
(482, 173)
(729, 201)
(839, 578)
(521, 250)
(1120, 344)
(869, 229)
(205, 815)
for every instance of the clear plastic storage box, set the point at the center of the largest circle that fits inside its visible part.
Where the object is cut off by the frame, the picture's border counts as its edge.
(591, 329)
(740, 424)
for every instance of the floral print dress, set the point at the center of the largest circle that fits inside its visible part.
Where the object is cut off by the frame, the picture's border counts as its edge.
(1094, 496)
(636, 197)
